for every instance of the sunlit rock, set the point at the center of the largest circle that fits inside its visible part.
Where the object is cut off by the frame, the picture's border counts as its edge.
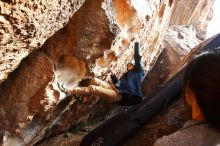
(26, 25)
(197, 12)
(177, 43)
(74, 40)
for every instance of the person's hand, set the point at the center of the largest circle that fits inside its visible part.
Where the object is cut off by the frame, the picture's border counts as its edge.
(111, 72)
(135, 37)
(69, 92)
(62, 89)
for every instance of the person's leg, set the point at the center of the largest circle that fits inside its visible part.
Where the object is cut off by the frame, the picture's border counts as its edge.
(110, 95)
(98, 82)
(129, 100)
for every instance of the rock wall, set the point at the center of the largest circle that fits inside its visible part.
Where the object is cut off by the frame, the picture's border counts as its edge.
(26, 25)
(98, 37)
(197, 12)
(177, 43)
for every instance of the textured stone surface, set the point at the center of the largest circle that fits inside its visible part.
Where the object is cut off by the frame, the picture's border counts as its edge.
(26, 25)
(197, 12)
(86, 37)
(193, 133)
(153, 19)
(100, 36)
(23, 94)
(38, 72)
(94, 37)
(177, 43)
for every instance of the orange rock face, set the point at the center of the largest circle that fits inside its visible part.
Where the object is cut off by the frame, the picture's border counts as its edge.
(127, 17)
(23, 94)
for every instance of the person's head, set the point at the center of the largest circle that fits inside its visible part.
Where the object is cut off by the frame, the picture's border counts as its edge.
(130, 66)
(202, 87)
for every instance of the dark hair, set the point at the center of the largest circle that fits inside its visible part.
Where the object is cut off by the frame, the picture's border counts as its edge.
(203, 77)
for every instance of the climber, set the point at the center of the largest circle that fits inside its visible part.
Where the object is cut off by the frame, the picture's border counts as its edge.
(129, 85)
(126, 91)
(202, 94)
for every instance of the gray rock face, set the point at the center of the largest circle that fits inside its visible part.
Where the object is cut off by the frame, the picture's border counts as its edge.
(177, 43)
(197, 12)
(192, 134)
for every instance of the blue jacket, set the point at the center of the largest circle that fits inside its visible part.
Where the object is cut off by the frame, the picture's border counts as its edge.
(130, 82)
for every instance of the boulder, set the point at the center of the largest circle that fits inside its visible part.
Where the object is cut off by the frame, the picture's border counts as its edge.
(62, 42)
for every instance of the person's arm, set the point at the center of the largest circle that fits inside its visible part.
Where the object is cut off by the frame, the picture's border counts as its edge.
(64, 90)
(137, 57)
(114, 79)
